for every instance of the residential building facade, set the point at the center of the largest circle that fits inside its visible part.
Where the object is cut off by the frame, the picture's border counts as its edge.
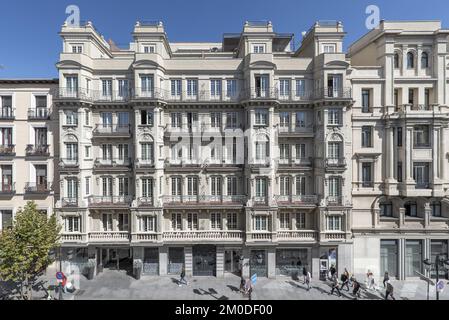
(28, 129)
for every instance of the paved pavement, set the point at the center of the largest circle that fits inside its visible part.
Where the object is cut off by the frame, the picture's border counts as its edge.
(119, 286)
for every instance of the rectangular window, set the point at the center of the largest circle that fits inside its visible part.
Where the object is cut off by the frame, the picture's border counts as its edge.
(123, 187)
(334, 117)
(123, 222)
(231, 88)
(123, 152)
(436, 209)
(399, 136)
(192, 221)
(261, 117)
(107, 222)
(106, 88)
(72, 224)
(367, 137)
(123, 88)
(421, 174)
(367, 173)
(232, 186)
(329, 48)
(334, 187)
(284, 151)
(107, 186)
(176, 86)
(389, 257)
(411, 96)
(176, 186)
(259, 48)
(300, 88)
(215, 221)
(261, 223)
(300, 221)
(176, 120)
(71, 118)
(413, 257)
(72, 188)
(300, 186)
(262, 85)
(72, 151)
(215, 119)
(334, 223)
(261, 187)
(284, 188)
(300, 119)
(87, 185)
(334, 150)
(421, 136)
(284, 119)
(192, 88)
(366, 101)
(284, 221)
(176, 222)
(215, 88)
(386, 210)
(231, 120)
(72, 85)
(192, 186)
(147, 187)
(148, 224)
(147, 118)
(216, 186)
(399, 171)
(7, 219)
(232, 221)
(107, 151)
(284, 87)
(411, 209)
(147, 85)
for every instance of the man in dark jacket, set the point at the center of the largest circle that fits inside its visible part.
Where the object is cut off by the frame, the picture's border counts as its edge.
(389, 291)
(335, 286)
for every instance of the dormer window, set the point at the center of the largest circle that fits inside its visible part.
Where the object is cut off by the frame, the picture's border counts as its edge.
(329, 48)
(151, 48)
(259, 48)
(77, 48)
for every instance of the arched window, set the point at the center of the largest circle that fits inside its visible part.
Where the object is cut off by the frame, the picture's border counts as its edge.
(424, 60)
(410, 60)
(396, 60)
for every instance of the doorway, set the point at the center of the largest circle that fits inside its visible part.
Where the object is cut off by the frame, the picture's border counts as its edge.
(233, 262)
(204, 261)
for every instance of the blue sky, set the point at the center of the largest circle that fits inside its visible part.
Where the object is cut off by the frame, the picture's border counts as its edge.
(31, 45)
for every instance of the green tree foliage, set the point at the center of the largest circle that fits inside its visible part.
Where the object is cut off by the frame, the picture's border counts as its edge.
(25, 248)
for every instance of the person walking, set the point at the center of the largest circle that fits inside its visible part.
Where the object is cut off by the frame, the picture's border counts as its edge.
(332, 271)
(345, 280)
(304, 274)
(370, 280)
(335, 286)
(386, 279)
(183, 277)
(242, 285)
(356, 290)
(389, 291)
(308, 280)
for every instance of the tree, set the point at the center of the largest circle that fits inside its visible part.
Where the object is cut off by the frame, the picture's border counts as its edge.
(25, 248)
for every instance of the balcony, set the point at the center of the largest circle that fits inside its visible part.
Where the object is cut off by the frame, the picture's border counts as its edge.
(423, 185)
(144, 163)
(146, 237)
(260, 201)
(38, 114)
(336, 162)
(333, 236)
(37, 188)
(300, 162)
(73, 238)
(7, 189)
(105, 201)
(109, 236)
(185, 95)
(112, 130)
(69, 202)
(262, 94)
(335, 200)
(259, 236)
(334, 93)
(7, 151)
(69, 163)
(112, 163)
(291, 131)
(91, 95)
(304, 200)
(37, 150)
(214, 235)
(7, 113)
(204, 199)
(297, 236)
(145, 201)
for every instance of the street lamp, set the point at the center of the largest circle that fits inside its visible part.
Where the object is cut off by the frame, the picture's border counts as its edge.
(439, 264)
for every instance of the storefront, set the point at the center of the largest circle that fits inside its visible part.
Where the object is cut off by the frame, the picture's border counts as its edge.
(151, 261)
(233, 261)
(290, 262)
(258, 263)
(175, 260)
(204, 261)
(389, 257)
(438, 247)
(413, 257)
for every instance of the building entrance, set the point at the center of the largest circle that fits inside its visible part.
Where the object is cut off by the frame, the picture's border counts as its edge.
(204, 261)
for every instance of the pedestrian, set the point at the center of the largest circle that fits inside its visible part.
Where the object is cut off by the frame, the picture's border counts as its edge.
(356, 290)
(304, 274)
(250, 292)
(370, 280)
(242, 285)
(345, 280)
(389, 291)
(308, 280)
(386, 279)
(332, 271)
(335, 285)
(183, 277)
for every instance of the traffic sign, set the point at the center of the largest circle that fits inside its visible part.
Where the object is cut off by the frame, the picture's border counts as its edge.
(254, 279)
(59, 275)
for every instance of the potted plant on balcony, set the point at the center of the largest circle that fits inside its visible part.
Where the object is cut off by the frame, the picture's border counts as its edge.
(137, 266)
(90, 269)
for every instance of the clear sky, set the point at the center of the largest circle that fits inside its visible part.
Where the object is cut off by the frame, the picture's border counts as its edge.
(30, 44)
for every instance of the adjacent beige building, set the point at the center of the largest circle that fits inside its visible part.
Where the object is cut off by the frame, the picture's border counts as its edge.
(28, 129)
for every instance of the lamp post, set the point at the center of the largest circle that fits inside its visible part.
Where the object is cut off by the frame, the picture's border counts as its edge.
(439, 263)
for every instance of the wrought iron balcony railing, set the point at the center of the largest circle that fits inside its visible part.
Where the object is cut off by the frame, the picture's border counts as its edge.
(9, 150)
(33, 187)
(38, 114)
(112, 129)
(37, 150)
(7, 113)
(8, 188)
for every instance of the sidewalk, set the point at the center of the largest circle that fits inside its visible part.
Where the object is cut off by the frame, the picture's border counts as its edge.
(112, 285)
